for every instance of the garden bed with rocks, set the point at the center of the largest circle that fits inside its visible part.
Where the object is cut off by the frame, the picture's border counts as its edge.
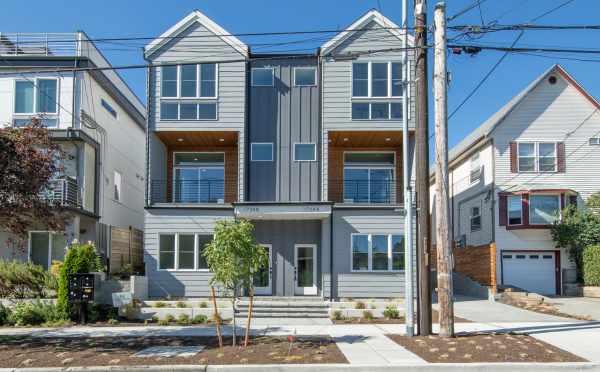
(484, 348)
(384, 320)
(111, 351)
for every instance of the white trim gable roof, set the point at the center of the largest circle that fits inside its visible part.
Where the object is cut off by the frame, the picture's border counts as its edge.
(370, 16)
(185, 23)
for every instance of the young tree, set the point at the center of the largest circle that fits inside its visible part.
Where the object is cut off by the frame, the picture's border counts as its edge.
(28, 160)
(233, 257)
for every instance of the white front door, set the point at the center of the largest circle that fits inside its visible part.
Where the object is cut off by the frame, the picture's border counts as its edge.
(305, 269)
(532, 271)
(262, 279)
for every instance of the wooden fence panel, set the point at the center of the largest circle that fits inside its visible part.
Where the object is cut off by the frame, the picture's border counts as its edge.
(126, 247)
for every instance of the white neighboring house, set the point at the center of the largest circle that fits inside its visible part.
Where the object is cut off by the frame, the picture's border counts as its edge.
(511, 177)
(98, 121)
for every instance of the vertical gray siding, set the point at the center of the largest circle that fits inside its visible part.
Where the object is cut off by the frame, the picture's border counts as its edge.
(284, 114)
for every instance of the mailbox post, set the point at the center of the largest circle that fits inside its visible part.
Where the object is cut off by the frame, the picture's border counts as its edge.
(82, 288)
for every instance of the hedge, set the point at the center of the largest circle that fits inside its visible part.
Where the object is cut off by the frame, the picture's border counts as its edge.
(591, 265)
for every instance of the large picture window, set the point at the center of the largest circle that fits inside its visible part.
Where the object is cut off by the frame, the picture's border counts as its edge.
(544, 209)
(369, 177)
(36, 97)
(182, 251)
(377, 91)
(377, 252)
(537, 156)
(199, 177)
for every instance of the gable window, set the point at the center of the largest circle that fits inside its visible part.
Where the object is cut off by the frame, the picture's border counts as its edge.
(376, 91)
(377, 252)
(117, 191)
(475, 163)
(305, 152)
(199, 177)
(515, 210)
(36, 97)
(537, 156)
(544, 209)
(475, 219)
(305, 76)
(45, 247)
(182, 251)
(369, 177)
(261, 151)
(262, 77)
(188, 92)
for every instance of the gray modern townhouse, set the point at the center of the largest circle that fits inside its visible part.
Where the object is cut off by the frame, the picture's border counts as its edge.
(306, 146)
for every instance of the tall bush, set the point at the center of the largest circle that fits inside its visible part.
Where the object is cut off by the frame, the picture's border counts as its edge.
(80, 258)
(22, 280)
(591, 265)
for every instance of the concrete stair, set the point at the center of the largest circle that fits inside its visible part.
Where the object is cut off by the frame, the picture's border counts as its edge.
(284, 307)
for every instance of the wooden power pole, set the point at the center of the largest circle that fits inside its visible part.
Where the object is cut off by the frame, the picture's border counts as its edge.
(422, 168)
(442, 205)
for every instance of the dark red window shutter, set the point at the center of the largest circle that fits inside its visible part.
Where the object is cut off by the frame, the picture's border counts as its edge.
(525, 206)
(502, 210)
(560, 157)
(513, 158)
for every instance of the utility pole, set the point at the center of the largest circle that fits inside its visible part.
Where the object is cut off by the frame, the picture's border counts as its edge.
(408, 207)
(422, 168)
(442, 205)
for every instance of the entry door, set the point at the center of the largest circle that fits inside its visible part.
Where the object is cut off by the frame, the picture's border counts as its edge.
(532, 271)
(305, 269)
(262, 280)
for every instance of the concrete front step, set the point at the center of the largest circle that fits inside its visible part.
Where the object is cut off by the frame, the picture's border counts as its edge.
(285, 309)
(287, 314)
(271, 305)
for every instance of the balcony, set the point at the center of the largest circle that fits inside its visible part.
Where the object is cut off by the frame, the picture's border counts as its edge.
(63, 192)
(190, 191)
(356, 191)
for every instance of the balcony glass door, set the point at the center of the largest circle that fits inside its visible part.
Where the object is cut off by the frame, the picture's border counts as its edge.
(369, 177)
(199, 178)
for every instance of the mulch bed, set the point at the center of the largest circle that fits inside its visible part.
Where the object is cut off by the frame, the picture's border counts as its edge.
(19, 351)
(543, 308)
(400, 320)
(484, 348)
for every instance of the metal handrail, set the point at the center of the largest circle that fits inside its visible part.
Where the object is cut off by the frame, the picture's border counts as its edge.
(188, 191)
(40, 44)
(63, 192)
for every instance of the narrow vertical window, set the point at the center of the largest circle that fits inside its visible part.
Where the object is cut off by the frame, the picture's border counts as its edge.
(379, 79)
(208, 80)
(360, 79)
(397, 252)
(168, 81)
(46, 98)
(117, 191)
(166, 252)
(360, 252)
(515, 210)
(23, 97)
(475, 219)
(526, 155)
(185, 254)
(188, 85)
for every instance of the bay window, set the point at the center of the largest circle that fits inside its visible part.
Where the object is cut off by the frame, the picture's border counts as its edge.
(544, 209)
(188, 92)
(179, 251)
(36, 97)
(377, 91)
(515, 210)
(369, 177)
(198, 177)
(377, 252)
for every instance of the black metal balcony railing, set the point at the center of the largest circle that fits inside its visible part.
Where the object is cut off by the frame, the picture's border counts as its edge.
(64, 192)
(188, 191)
(367, 191)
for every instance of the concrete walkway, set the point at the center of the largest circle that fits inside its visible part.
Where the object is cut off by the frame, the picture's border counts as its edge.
(579, 306)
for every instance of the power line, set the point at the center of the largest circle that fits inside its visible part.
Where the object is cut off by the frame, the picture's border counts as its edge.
(519, 27)
(476, 4)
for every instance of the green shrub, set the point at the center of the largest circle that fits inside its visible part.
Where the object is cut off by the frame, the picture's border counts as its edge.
(368, 315)
(163, 322)
(112, 321)
(337, 315)
(154, 319)
(4, 315)
(199, 319)
(181, 304)
(80, 258)
(391, 312)
(359, 305)
(183, 319)
(131, 310)
(591, 265)
(23, 280)
(34, 313)
(169, 318)
(159, 304)
(203, 304)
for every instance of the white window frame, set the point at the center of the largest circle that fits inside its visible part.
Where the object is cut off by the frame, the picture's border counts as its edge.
(179, 103)
(558, 198)
(197, 96)
(260, 143)
(176, 251)
(314, 158)
(474, 216)
(508, 197)
(118, 186)
(536, 156)
(369, 95)
(305, 68)
(262, 68)
(50, 244)
(34, 81)
(370, 253)
(475, 160)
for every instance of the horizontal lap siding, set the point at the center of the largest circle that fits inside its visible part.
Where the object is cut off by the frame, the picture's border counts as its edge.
(177, 283)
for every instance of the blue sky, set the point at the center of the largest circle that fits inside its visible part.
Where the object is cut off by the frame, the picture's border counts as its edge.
(129, 18)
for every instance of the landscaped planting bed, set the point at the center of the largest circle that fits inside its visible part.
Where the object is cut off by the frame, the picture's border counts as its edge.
(23, 351)
(484, 348)
(399, 320)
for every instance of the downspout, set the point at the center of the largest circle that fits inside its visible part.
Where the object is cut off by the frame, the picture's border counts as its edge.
(247, 108)
(331, 255)
(147, 180)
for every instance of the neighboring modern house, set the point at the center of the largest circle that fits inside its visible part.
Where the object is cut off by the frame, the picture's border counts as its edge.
(98, 122)
(306, 146)
(511, 177)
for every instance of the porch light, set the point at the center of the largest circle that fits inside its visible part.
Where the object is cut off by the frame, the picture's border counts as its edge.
(388, 139)
(221, 139)
(346, 139)
(179, 139)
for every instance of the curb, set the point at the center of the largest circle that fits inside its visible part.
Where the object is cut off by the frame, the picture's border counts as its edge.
(445, 367)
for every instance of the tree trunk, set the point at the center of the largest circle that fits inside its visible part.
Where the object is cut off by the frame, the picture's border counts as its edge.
(234, 300)
(217, 317)
(251, 293)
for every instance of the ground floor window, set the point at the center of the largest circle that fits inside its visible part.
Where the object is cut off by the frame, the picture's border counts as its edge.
(179, 251)
(377, 252)
(45, 247)
(544, 209)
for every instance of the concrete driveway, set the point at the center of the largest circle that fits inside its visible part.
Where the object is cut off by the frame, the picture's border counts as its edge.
(580, 306)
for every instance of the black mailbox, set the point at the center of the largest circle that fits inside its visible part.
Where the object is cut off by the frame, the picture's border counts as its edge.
(82, 287)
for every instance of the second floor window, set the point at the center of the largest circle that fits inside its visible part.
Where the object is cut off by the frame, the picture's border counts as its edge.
(475, 163)
(376, 91)
(36, 97)
(537, 156)
(189, 81)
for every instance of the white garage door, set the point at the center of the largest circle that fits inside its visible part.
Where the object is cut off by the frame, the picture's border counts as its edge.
(534, 272)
